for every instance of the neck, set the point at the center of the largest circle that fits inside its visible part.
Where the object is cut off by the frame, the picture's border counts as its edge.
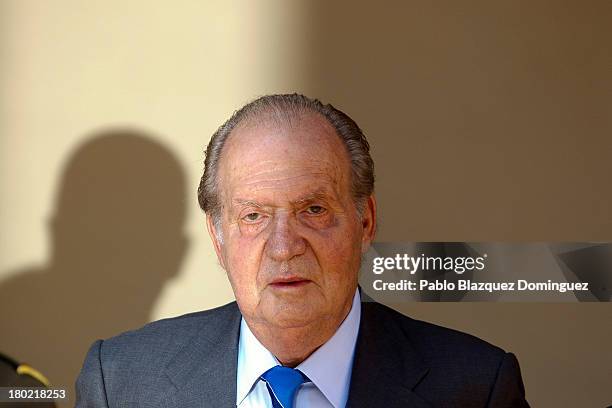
(292, 345)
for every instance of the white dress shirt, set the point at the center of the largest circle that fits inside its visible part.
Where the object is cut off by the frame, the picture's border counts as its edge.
(328, 368)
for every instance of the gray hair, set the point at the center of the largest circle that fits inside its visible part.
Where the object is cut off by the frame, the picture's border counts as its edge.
(285, 109)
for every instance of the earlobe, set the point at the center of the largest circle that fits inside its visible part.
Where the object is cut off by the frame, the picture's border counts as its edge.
(212, 231)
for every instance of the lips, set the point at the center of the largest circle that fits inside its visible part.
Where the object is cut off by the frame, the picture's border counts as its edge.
(289, 282)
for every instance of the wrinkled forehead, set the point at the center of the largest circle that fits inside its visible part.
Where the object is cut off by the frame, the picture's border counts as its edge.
(283, 154)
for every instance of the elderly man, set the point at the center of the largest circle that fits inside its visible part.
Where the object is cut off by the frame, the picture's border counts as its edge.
(288, 195)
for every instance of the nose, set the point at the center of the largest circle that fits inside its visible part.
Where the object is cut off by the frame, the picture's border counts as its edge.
(284, 242)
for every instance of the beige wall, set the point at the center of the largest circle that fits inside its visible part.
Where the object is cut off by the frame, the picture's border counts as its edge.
(93, 82)
(488, 122)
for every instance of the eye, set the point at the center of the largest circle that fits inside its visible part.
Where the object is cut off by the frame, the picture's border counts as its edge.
(315, 210)
(252, 217)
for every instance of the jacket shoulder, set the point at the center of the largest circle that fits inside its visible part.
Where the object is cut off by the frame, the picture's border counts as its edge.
(444, 367)
(177, 325)
(156, 343)
(433, 341)
(145, 365)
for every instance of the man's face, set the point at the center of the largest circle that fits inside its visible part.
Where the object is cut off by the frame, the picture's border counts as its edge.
(291, 236)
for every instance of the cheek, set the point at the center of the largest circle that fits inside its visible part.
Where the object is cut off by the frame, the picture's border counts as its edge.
(338, 256)
(244, 260)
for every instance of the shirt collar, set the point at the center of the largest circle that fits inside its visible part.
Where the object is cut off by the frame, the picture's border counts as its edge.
(253, 360)
(329, 367)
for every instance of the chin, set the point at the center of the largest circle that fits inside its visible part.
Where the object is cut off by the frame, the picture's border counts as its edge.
(291, 316)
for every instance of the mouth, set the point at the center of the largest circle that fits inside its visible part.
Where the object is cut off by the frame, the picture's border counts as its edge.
(289, 283)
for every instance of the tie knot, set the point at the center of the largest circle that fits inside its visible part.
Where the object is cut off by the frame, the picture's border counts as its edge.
(283, 383)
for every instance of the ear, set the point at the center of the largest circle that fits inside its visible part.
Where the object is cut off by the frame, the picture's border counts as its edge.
(212, 231)
(368, 222)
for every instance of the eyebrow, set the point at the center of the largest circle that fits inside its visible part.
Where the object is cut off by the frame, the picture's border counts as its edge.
(247, 203)
(317, 195)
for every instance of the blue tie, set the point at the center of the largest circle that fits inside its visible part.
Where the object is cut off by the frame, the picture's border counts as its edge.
(283, 383)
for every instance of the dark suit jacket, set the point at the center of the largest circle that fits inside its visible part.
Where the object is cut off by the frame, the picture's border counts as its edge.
(190, 361)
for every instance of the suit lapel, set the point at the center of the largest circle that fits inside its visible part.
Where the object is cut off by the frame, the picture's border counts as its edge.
(204, 372)
(386, 368)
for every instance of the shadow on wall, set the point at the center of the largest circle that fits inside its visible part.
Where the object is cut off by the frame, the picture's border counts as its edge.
(117, 237)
